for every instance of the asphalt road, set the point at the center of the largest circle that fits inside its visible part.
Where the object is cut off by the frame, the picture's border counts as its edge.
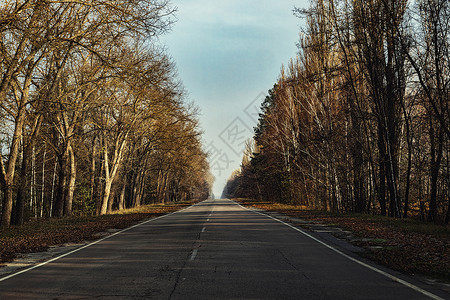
(213, 250)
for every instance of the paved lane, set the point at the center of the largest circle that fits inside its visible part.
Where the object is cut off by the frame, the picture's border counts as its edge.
(213, 250)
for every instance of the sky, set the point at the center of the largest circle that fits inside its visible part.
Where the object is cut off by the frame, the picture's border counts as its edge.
(228, 54)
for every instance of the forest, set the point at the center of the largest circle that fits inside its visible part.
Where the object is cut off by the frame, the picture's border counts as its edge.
(359, 120)
(92, 115)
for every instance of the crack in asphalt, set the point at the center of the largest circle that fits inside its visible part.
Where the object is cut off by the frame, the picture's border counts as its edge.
(312, 292)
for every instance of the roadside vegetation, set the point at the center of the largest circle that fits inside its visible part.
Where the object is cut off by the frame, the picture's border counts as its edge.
(92, 115)
(359, 121)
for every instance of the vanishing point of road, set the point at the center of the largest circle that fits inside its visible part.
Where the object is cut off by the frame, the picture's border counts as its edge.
(213, 250)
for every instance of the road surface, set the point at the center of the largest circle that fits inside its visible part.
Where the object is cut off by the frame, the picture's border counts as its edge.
(213, 250)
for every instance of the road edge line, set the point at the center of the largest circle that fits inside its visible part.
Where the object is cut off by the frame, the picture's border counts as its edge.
(89, 245)
(390, 276)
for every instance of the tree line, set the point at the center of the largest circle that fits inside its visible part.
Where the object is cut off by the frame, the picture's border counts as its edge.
(359, 121)
(93, 117)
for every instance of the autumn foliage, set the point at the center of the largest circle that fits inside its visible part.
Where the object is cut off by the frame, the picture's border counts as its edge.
(92, 115)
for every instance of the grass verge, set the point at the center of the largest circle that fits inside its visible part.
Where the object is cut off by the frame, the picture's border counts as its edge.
(405, 245)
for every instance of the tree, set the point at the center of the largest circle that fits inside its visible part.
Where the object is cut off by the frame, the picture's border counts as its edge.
(360, 113)
(80, 74)
(429, 58)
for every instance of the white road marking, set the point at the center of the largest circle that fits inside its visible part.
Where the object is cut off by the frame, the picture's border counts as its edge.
(390, 276)
(194, 254)
(89, 245)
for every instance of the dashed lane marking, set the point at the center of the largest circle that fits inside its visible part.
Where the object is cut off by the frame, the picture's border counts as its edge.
(194, 254)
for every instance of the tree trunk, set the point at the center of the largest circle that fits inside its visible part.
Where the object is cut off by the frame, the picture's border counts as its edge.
(435, 165)
(59, 203)
(22, 191)
(100, 186)
(92, 173)
(447, 216)
(33, 199)
(7, 205)
(68, 199)
(408, 170)
(9, 172)
(52, 198)
(43, 182)
(28, 151)
(140, 192)
(135, 189)
(382, 173)
(357, 159)
(107, 192)
(122, 195)
(111, 199)
(110, 174)
(394, 96)
(159, 186)
(108, 181)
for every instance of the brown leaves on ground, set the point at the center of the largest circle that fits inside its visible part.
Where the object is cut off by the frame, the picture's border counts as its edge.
(400, 249)
(38, 235)
(405, 245)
